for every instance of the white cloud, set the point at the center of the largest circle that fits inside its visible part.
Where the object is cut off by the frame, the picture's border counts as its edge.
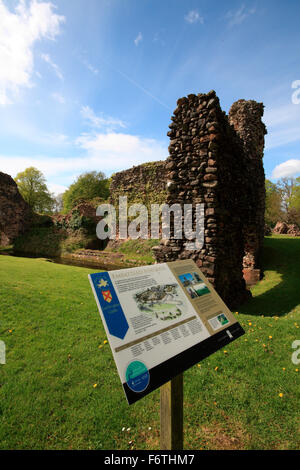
(283, 114)
(287, 169)
(117, 151)
(237, 17)
(58, 97)
(283, 125)
(138, 39)
(19, 31)
(49, 166)
(193, 16)
(282, 136)
(108, 123)
(101, 152)
(56, 188)
(53, 65)
(56, 138)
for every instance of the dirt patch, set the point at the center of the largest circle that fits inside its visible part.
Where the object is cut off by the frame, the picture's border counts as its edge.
(151, 439)
(219, 436)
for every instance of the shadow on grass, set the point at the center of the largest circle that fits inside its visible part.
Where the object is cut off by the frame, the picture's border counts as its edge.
(279, 291)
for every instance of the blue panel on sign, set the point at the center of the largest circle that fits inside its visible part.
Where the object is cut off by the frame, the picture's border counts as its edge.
(137, 376)
(113, 313)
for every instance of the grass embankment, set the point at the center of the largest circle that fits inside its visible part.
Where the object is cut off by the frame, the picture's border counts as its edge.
(59, 388)
(134, 251)
(51, 242)
(54, 242)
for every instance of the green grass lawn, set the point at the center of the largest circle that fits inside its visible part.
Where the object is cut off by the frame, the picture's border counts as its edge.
(60, 389)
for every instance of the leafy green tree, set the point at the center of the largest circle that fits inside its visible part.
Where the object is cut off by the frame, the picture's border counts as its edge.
(87, 186)
(290, 197)
(32, 186)
(295, 194)
(294, 202)
(273, 211)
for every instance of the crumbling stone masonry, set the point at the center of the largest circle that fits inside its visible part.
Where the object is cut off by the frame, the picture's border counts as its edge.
(144, 184)
(15, 213)
(245, 116)
(217, 161)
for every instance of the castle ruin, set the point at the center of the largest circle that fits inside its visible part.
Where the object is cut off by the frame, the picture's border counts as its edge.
(216, 160)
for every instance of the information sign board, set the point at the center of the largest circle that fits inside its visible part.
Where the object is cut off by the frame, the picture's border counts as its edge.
(160, 320)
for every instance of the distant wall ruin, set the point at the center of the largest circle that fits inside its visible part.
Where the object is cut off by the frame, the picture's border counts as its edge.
(144, 184)
(216, 160)
(245, 117)
(15, 213)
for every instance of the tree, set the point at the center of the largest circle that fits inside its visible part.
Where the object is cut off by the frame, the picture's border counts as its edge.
(290, 197)
(273, 211)
(58, 203)
(32, 186)
(294, 202)
(86, 187)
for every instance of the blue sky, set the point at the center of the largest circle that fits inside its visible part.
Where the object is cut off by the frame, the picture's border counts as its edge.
(92, 84)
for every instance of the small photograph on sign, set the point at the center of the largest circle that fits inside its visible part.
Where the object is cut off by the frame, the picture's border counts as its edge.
(218, 322)
(163, 302)
(194, 285)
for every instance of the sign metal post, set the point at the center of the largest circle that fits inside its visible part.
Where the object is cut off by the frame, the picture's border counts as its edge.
(171, 414)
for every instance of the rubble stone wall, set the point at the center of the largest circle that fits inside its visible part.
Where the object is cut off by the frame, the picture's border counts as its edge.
(245, 116)
(218, 162)
(143, 184)
(15, 214)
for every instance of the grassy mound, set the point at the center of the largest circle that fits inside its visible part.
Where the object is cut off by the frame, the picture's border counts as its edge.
(59, 388)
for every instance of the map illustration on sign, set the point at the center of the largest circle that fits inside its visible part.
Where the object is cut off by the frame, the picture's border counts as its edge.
(164, 302)
(160, 320)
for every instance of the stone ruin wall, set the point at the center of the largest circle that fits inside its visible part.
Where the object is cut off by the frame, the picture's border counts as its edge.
(15, 214)
(216, 160)
(245, 117)
(142, 184)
